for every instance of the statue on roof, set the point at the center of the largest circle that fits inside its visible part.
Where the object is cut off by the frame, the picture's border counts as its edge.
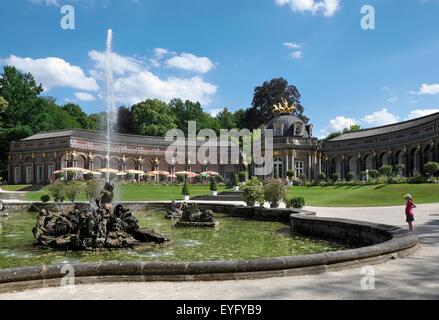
(284, 107)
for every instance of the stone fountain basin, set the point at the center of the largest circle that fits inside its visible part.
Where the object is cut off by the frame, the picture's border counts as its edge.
(377, 244)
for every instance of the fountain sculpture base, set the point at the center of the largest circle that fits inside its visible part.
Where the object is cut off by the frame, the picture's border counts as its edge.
(91, 229)
(193, 217)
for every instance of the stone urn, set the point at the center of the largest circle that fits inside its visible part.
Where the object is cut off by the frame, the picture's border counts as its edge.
(214, 193)
(236, 188)
(274, 205)
(186, 198)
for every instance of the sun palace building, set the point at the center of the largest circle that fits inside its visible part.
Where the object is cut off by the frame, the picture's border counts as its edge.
(413, 143)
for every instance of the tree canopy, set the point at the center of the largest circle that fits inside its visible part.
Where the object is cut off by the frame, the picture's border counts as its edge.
(153, 118)
(271, 93)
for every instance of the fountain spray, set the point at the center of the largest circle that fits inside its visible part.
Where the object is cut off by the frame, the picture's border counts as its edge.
(110, 96)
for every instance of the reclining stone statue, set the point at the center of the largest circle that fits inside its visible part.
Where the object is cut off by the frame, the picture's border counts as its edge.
(192, 216)
(96, 226)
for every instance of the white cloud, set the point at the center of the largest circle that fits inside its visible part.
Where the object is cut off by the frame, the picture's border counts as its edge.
(337, 124)
(292, 45)
(84, 96)
(160, 52)
(215, 112)
(327, 7)
(296, 55)
(140, 86)
(430, 89)
(120, 65)
(419, 113)
(190, 62)
(380, 118)
(54, 72)
(392, 99)
(46, 2)
(134, 83)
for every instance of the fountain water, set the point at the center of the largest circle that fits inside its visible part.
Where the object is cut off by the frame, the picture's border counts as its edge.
(110, 97)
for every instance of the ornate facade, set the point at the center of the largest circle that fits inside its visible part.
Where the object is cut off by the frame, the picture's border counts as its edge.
(411, 143)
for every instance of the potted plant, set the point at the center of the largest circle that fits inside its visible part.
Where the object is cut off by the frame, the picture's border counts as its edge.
(45, 198)
(274, 192)
(253, 192)
(296, 203)
(213, 187)
(290, 175)
(235, 182)
(322, 177)
(185, 192)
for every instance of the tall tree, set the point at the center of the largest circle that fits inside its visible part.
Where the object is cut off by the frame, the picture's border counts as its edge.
(75, 112)
(226, 119)
(20, 90)
(153, 118)
(3, 104)
(187, 111)
(98, 121)
(125, 121)
(239, 118)
(271, 93)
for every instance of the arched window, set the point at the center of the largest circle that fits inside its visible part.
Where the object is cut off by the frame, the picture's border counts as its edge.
(278, 168)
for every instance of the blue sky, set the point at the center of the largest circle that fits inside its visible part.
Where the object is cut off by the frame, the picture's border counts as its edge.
(218, 51)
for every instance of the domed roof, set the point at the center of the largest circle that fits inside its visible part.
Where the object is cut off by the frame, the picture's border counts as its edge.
(286, 122)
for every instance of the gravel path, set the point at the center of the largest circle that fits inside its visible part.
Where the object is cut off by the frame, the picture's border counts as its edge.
(415, 277)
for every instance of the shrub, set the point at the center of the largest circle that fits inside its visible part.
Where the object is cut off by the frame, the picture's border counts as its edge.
(253, 191)
(72, 191)
(213, 184)
(275, 191)
(302, 177)
(93, 189)
(185, 191)
(350, 176)
(417, 179)
(129, 177)
(431, 168)
(290, 174)
(89, 176)
(59, 176)
(113, 176)
(242, 176)
(386, 171)
(335, 176)
(70, 175)
(321, 177)
(296, 203)
(398, 169)
(235, 181)
(374, 174)
(58, 191)
(394, 180)
(45, 198)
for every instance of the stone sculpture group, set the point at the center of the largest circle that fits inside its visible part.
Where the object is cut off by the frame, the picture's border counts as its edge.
(95, 226)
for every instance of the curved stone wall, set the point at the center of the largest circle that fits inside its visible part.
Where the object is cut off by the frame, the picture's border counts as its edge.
(381, 242)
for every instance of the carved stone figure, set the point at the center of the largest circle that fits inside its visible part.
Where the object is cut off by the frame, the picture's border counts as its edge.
(93, 227)
(193, 217)
(3, 209)
(174, 212)
(105, 199)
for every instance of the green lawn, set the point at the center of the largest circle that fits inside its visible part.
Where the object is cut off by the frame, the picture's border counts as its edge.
(17, 187)
(366, 196)
(332, 196)
(141, 193)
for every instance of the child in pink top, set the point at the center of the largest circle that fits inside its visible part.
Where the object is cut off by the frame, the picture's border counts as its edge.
(409, 211)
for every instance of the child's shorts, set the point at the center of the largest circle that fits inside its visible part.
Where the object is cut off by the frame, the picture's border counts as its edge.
(410, 218)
